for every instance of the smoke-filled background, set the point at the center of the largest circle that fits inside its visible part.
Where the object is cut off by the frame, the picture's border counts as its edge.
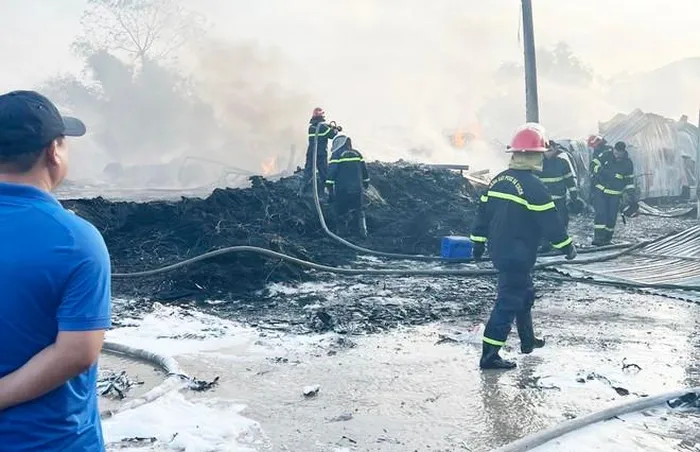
(167, 84)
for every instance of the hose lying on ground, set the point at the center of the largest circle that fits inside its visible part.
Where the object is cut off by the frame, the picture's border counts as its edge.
(174, 380)
(543, 437)
(371, 271)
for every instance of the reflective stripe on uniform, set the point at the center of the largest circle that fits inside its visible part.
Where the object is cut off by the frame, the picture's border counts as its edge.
(619, 176)
(328, 130)
(629, 187)
(598, 226)
(551, 180)
(494, 342)
(521, 201)
(561, 245)
(484, 198)
(573, 189)
(557, 197)
(347, 160)
(607, 191)
(478, 238)
(330, 182)
(596, 165)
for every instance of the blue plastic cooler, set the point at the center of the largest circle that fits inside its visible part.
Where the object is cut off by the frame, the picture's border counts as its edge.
(456, 247)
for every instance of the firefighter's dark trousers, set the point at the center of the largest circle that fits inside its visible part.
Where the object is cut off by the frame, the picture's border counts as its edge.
(514, 301)
(321, 168)
(606, 208)
(563, 211)
(350, 211)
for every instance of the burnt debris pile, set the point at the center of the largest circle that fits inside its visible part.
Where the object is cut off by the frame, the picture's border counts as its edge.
(410, 208)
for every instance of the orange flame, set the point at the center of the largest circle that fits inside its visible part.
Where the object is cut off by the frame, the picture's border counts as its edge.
(269, 166)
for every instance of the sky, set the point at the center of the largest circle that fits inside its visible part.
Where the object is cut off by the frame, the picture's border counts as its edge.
(399, 73)
(612, 35)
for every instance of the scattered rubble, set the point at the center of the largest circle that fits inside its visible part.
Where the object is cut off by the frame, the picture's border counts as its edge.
(116, 385)
(411, 209)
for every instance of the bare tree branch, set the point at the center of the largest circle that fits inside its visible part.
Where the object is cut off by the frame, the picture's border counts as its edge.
(139, 28)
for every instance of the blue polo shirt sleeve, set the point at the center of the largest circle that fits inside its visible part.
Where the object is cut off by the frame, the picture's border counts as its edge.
(86, 301)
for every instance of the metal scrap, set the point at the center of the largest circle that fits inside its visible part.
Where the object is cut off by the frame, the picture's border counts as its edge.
(116, 385)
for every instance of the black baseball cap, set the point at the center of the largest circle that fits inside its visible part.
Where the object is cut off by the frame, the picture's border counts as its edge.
(29, 122)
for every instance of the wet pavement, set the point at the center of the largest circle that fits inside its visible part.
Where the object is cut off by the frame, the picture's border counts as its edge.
(395, 360)
(143, 377)
(419, 388)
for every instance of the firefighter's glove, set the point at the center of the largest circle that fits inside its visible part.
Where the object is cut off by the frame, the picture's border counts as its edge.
(571, 252)
(631, 209)
(478, 250)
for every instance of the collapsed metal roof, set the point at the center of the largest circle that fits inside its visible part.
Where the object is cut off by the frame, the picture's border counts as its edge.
(659, 148)
(673, 261)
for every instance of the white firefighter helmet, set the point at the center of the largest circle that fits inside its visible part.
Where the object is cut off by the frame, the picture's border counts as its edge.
(339, 141)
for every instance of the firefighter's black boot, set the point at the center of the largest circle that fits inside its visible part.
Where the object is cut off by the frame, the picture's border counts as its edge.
(491, 360)
(528, 341)
(607, 237)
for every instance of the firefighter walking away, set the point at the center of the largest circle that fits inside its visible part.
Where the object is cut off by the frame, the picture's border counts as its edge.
(347, 179)
(513, 216)
(613, 176)
(319, 133)
(558, 177)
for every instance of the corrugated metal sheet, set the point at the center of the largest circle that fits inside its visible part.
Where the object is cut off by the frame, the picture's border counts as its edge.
(657, 148)
(674, 261)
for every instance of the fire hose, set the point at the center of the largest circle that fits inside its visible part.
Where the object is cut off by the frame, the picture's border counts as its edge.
(167, 364)
(541, 438)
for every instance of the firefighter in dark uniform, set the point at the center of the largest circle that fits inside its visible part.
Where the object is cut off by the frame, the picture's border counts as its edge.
(319, 134)
(346, 182)
(558, 177)
(598, 146)
(614, 178)
(513, 216)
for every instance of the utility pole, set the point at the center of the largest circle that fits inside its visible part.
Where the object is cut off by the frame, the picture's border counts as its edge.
(532, 109)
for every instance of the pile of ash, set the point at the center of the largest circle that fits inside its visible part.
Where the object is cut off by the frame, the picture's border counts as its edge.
(411, 209)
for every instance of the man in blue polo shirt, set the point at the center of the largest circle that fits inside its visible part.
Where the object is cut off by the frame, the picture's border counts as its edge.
(55, 283)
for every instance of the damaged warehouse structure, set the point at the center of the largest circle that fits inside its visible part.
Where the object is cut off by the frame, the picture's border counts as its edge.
(664, 153)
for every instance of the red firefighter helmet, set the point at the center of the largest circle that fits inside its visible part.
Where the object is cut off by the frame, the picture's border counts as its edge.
(529, 138)
(595, 141)
(318, 113)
